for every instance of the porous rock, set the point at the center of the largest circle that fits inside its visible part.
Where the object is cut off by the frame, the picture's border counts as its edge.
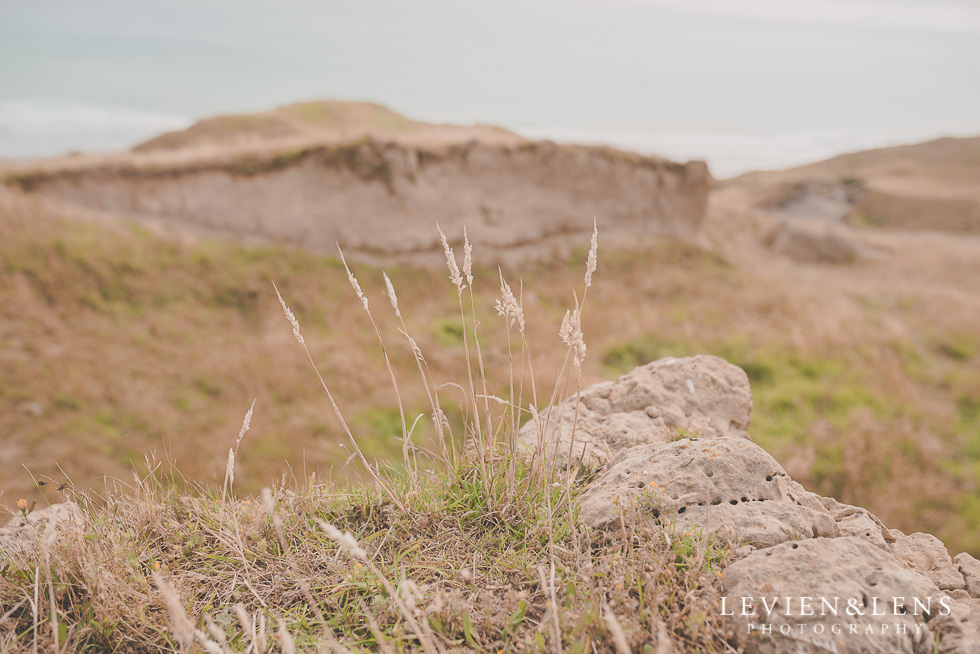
(702, 396)
(959, 630)
(727, 487)
(858, 522)
(928, 555)
(969, 567)
(866, 580)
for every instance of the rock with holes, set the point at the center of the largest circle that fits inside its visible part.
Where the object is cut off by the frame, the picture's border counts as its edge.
(23, 533)
(969, 567)
(928, 555)
(959, 630)
(702, 396)
(839, 595)
(972, 604)
(726, 487)
(858, 522)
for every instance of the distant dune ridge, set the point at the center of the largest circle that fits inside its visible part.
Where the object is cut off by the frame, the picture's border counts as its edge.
(312, 174)
(335, 121)
(317, 173)
(925, 186)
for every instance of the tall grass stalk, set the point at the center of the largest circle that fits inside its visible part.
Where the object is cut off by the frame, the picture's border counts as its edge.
(441, 430)
(457, 279)
(406, 437)
(372, 470)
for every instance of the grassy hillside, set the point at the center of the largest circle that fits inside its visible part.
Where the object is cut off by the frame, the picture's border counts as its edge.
(116, 342)
(929, 186)
(319, 120)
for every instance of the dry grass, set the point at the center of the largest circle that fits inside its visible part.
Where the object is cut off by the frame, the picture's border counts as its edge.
(478, 550)
(115, 342)
(473, 572)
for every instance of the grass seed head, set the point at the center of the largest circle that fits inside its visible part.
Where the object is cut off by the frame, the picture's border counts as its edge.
(590, 265)
(289, 316)
(286, 639)
(230, 466)
(454, 273)
(508, 306)
(246, 424)
(182, 627)
(571, 335)
(467, 258)
(344, 539)
(353, 281)
(391, 295)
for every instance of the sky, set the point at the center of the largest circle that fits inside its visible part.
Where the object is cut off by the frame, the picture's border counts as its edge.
(748, 84)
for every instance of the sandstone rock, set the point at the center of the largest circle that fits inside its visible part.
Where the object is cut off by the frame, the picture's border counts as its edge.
(859, 525)
(812, 243)
(20, 534)
(725, 486)
(790, 544)
(702, 396)
(858, 522)
(861, 577)
(381, 197)
(969, 567)
(959, 631)
(928, 555)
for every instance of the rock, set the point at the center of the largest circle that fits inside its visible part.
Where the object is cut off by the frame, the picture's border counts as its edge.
(702, 396)
(969, 567)
(928, 555)
(959, 631)
(21, 534)
(810, 243)
(857, 522)
(818, 200)
(814, 583)
(859, 525)
(727, 487)
(791, 547)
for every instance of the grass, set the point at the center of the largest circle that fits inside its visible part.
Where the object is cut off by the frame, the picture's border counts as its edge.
(478, 570)
(476, 548)
(130, 343)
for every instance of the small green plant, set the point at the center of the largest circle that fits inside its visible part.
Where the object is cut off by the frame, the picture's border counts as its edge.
(681, 433)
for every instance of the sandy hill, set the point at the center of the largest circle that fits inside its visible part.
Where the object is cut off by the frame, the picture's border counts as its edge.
(325, 121)
(925, 186)
(317, 173)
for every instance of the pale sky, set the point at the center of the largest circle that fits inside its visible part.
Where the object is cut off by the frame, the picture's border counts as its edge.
(811, 70)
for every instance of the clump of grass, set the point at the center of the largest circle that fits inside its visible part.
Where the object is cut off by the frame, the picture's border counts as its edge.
(471, 545)
(461, 568)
